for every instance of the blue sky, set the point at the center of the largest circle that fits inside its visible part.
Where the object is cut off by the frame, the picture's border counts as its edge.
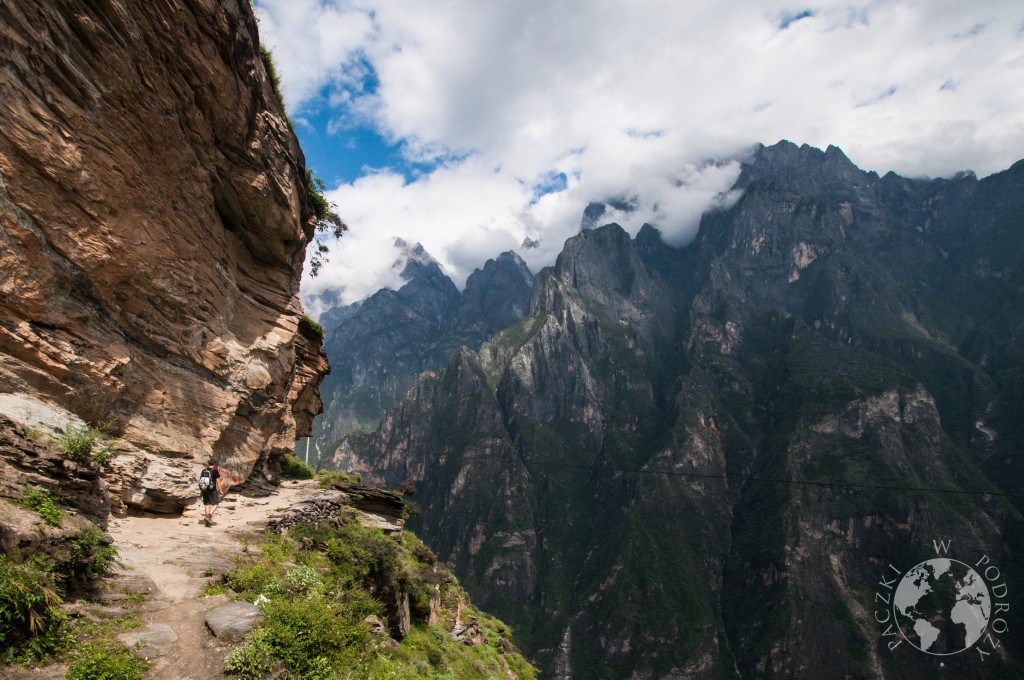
(344, 155)
(471, 126)
(340, 148)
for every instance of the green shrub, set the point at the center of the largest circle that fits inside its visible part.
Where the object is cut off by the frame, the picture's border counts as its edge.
(311, 636)
(278, 550)
(77, 442)
(100, 662)
(317, 535)
(43, 503)
(29, 613)
(88, 549)
(328, 478)
(323, 580)
(253, 659)
(306, 581)
(211, 588)
(311, 329)
(326, 218)
(251, 580)
(294, 468)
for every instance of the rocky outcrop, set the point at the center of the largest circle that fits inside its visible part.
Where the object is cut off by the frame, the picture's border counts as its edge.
(231, 622)
(53, 512)
(154, 218)
(371, 507)
(30, 461)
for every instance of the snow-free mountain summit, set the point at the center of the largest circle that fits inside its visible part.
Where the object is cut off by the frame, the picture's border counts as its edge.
(697, 462)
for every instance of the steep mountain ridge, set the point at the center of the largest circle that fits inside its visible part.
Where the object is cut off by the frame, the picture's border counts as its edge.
(378, 346)
(605, 474)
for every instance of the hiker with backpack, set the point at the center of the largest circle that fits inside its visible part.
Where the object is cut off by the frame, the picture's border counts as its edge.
(211, 486)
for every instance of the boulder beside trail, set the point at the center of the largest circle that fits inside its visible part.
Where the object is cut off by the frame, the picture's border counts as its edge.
(233, 621)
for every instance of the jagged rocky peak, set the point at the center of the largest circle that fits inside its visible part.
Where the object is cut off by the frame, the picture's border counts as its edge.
(154, 219)
(377, 348)
(599, 259)
(413, 260)
(597, 212)
(427, 291)
(804, 168)
(498, 294)
(605, 266)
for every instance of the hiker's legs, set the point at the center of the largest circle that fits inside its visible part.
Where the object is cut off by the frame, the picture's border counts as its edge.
(210, 501)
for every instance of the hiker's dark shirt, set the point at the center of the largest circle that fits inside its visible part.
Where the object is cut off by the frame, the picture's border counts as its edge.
(210, 496)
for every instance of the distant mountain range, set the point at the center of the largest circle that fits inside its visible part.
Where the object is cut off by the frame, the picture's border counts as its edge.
(702, 462)
(379, 345)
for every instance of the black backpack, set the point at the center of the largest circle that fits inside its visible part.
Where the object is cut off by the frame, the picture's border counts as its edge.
(205, 480)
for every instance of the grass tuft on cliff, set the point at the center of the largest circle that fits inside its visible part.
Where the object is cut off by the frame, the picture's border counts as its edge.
(342, 585)
(275, 80)
(325, 215)
(43, 503)
(311, 329)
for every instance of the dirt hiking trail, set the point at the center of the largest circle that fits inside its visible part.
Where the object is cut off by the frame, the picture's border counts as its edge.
(170, 559)
(164, 561)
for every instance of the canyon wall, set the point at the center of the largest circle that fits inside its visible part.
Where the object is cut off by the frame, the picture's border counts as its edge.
(154, 220)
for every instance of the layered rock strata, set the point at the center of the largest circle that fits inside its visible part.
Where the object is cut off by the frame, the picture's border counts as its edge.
(153, 220)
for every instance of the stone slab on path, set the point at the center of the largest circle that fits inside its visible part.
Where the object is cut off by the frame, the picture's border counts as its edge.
(153, 641)
(233, 621)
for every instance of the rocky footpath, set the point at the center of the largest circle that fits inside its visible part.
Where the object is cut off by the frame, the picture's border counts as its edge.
(164, 563)
(153, 221)
(155, 599)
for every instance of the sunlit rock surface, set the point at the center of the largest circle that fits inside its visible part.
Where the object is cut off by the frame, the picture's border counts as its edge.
(153, 228)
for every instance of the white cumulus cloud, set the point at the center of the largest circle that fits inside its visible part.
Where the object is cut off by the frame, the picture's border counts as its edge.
(526, 111)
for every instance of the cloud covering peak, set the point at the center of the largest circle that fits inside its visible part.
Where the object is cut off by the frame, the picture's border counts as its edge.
(505, 120)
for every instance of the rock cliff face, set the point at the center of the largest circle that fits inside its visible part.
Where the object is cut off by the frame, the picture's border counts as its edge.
(378, 346)
(154, 220)
(700, 462)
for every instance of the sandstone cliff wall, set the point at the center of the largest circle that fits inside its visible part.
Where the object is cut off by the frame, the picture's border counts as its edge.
(153, 221)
